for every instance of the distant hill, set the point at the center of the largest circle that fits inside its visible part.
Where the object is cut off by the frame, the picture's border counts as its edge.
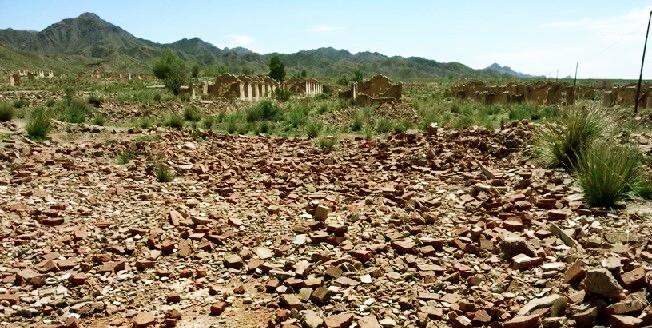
(505, 70)
(87, 42)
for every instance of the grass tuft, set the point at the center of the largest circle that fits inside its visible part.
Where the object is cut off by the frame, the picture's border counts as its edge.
(607, 172)
(163, 173)
(39, 125)
(175, 121)
(6, 112)
(563, 143)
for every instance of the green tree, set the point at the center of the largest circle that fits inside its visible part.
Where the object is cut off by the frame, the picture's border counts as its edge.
(195, 71)
(303, 73)
(276, 69)
(357, 76)
(171, 69)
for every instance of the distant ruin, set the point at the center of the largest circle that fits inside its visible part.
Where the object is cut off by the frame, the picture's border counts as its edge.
(551, 93)
(539, 93)
(625, 96)
(243, 87)
(304, 86)
(377, 90)
(15, 79)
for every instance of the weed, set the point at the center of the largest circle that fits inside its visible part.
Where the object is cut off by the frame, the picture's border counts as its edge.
(39, 125)
(7, 112)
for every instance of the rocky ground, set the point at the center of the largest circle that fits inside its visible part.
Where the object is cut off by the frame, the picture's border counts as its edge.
(436, 229)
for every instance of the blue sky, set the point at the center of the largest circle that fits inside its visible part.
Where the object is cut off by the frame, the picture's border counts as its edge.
(536, 37)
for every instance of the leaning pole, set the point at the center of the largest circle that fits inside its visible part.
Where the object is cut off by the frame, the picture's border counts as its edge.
(640, 76)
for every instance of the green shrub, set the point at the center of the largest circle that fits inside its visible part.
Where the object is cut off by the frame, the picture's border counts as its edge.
(39, 125)
(6, 112)
(157, 97)
(296, 116)
(192, 113)
(562, 144)
(73, 111)
(383, 125)
(50, 103)
(607, 172)
(313, 129)
(401, 126)
(263, 111)
(163, 173)
(174, 120)
(263, 127)
(357, 123)
(521, 112)
(643, 187)
(327, 144)
(21, 103)
(231, 125)
(125, 156)
(208, 122)
(95, 101)
(282, 94)
(99, 119)
(145, 122)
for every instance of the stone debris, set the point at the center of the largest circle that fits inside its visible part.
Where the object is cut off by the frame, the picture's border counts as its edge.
(445, 229)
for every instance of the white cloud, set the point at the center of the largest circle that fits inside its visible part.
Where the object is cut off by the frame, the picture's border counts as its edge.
(324, 29)
(238, 40)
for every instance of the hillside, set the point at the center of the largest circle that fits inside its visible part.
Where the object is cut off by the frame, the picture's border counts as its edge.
(85, 42)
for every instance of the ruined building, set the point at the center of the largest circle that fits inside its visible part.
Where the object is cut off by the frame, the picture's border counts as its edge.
(625, 96)
(540, 93)
(243, 87)
(14, 79)
(304, 86)
(377, 90)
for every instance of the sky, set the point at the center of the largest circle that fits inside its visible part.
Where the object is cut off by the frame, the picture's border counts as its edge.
(534, 37)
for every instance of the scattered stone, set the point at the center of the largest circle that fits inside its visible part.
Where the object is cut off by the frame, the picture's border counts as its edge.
(602, 282)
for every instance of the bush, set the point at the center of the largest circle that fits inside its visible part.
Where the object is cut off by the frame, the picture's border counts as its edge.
(50, 103)
(263, 128)
(99, 119)
(73, 111)
(327, 144)
(563, 143)
(607, 172)
(6, 112)
(174, 120)
(157, 97)
(163, 173)
(95, 101)
(263, 111)
(383, 125)
(192, 113)
(231, 125)
(125, 156)
(39, 125)
(21, 103)
(208, 122)
(296, 116)
(145, 122)
(401, 126)
(282, 94)
(313, 129)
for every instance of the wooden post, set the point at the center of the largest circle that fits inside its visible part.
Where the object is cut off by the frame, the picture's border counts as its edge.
(640, 76)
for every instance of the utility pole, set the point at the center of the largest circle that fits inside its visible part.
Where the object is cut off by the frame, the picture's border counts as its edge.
(577, 64)
(640, 76)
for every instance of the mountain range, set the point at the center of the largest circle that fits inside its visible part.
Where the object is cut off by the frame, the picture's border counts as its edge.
(89, 42)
